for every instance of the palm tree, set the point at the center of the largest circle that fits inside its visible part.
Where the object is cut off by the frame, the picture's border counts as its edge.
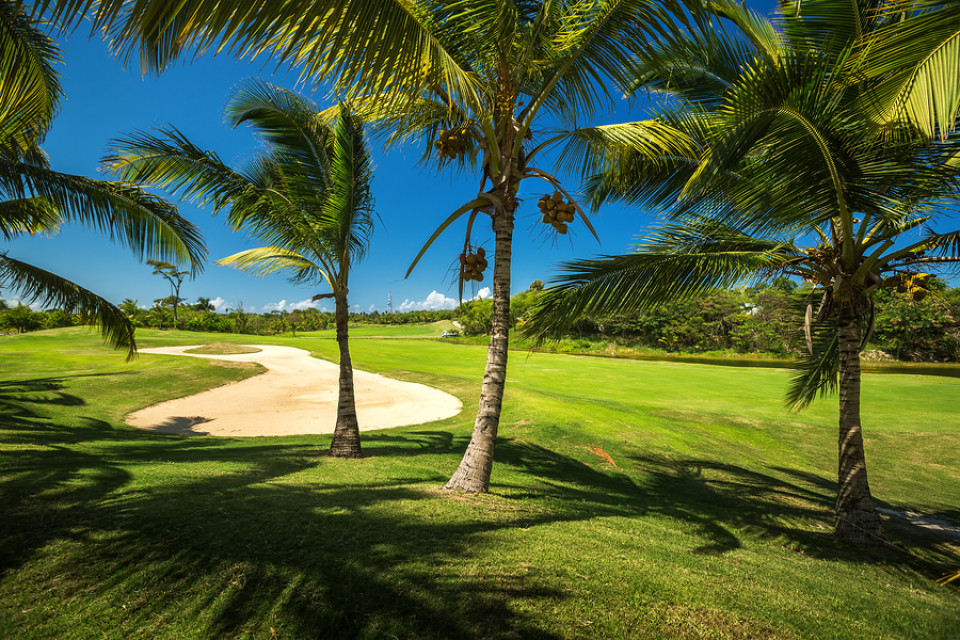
(775, 166)
(35, 198)
(477, 83)
(306, 196)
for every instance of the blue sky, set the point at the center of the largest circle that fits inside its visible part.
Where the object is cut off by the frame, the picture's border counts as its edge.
(104, 100)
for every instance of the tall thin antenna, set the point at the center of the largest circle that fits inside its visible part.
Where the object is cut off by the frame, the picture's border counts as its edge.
(390, 302)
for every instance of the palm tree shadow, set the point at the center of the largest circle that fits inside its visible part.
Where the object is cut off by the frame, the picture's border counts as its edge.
(411, 443)
(787, 505)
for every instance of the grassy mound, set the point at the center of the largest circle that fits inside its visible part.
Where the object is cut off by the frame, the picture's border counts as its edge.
(712, 521)
(223, 349)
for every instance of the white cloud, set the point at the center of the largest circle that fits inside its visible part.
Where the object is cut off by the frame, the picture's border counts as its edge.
(272, 306)
(218, 303)
(437, 300)
(432, 302)
(372, 308)
(482, 294)
(35, 306)
(283, 305)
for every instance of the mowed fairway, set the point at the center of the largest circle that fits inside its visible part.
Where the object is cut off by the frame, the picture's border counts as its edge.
(713, 523)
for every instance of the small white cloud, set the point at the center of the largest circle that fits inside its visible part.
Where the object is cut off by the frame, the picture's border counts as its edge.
(303, 304)
(372, 308)
(35, 306)
(432, 302)
(482, 294)
(218, 303)
(283, 305)
(272, 306)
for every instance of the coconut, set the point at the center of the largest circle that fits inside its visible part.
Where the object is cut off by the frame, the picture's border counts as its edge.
(561, 228)
(917, 293)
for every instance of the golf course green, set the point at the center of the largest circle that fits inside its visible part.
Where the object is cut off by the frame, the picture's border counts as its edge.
(630, 499)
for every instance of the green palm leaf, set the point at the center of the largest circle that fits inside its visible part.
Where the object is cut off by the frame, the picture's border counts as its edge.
(51, 290)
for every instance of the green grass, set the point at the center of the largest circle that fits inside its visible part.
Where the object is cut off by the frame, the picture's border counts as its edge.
(433, 329)
(714, 523)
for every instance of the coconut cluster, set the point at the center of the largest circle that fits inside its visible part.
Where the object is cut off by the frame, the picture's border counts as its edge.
(556, 212)
(452, 142)
(916, 285)
(472, 265)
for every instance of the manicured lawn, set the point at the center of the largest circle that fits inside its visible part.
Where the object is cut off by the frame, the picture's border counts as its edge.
(433, 329)
(714, 523)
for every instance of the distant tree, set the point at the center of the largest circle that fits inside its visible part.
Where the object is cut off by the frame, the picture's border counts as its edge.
(240, 318)
(175, 277)
(130, 307)
(158, 313)
(203, 304)
(20, 318)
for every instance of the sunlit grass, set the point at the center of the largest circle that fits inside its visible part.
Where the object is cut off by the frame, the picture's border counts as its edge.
(712, 522)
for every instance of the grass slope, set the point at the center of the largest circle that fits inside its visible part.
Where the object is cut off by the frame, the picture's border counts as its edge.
(714, 523)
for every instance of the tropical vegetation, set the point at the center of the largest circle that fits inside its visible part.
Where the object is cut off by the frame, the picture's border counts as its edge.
(306, 194)
(770, 163)
(34, 198)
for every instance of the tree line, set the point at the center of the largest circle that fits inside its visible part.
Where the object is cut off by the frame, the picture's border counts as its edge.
(765, 319)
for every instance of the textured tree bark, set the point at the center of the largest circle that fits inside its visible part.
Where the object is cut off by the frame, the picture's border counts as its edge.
(346, 436)
(857, 519)
(474, 471)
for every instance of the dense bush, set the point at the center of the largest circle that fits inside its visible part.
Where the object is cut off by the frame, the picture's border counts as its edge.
(764, 319)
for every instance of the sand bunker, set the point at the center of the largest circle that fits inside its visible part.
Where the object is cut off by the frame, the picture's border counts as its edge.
(296, 395)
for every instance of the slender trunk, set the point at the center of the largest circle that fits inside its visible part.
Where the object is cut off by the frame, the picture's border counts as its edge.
(346, 436)
(473, 474)
(857, 519)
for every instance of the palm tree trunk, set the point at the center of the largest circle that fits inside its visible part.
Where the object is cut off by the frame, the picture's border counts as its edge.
(473, 474)
(857, 519)
(346, 436)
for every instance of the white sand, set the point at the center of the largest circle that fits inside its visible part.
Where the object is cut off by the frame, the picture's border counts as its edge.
(296, 395)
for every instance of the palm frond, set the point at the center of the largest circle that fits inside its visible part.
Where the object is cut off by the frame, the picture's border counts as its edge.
(371, 46)
(265, 261)
(167, 159)
(915, 59)
(30, 90)
(607, 149)
(348, 207)
(125, 213)
(676, 261)
(51, 290)
(28, 216)
(816, 373)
